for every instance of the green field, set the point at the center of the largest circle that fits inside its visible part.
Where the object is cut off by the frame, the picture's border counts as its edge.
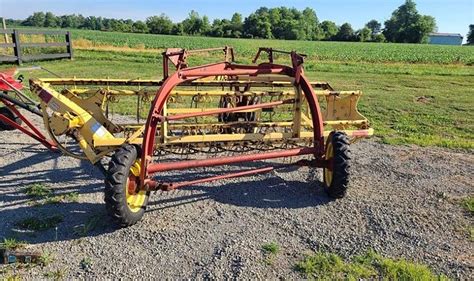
(327, 51)
(427, 103)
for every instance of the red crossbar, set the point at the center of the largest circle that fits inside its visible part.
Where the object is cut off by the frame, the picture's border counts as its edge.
(182, 165)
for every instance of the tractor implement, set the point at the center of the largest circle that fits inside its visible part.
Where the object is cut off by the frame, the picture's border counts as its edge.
(237, 113)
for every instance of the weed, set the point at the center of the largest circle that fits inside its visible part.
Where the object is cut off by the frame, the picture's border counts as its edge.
(62, 198)
(56, 275)
(271, 248)
(12, 244)
(91, 224)
(13, 277)
(468, 204)
(45, 259)
(330, 266)
(270, 251)
(44, 195)
(52, 200)
(71, 197)
(441, 196)
(40, 224)
(368, 266)
(37, 190)
(86, 263)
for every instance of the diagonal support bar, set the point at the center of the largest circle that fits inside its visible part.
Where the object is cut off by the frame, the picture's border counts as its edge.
(51, 146)
(153, 185)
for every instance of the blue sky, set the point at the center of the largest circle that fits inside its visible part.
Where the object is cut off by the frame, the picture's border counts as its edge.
(451, 15)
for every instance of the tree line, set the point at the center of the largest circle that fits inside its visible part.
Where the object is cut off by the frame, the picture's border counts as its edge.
(405, 25)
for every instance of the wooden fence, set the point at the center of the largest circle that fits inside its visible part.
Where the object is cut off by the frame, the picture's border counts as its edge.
(17, 45)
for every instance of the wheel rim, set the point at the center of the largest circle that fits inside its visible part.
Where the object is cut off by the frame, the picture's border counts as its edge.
(135, 200)
(328, 172)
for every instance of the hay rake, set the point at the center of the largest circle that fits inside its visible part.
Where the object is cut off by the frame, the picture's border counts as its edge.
(236, 113)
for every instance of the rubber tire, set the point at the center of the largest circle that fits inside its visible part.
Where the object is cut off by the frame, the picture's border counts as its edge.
(341, 165)
(5, 111)
(115, 194)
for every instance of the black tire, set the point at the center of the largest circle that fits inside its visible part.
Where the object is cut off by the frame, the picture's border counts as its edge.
(340, 162)
(116, 184)
(5, 111)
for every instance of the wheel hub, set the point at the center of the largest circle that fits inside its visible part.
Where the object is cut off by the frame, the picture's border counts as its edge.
(132, 185)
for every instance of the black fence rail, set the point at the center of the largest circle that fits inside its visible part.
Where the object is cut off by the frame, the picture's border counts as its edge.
(18, 46)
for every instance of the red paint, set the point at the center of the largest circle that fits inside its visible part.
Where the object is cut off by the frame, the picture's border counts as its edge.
(45, 96)
(34, 133)
(42, 140)
(189, 164)
(360, 133)
(7, 78)
(153, 185)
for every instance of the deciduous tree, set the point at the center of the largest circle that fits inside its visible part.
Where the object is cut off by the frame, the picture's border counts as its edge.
(364, 35)
(257, 25)
(161, 24)
(346, 33)
(374, 26)
(36, 19)
(194, 24)
(329, 29)
(50, 20)
(470, 35)
(139, 27)
(407, 26)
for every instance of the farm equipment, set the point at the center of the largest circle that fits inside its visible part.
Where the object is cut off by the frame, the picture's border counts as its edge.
(238, 113)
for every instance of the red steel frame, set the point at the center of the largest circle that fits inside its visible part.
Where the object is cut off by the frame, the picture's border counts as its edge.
(226, 69)
(8, 84)
(33, 132)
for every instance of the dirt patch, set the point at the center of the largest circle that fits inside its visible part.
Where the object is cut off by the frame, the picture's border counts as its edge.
(425, 99)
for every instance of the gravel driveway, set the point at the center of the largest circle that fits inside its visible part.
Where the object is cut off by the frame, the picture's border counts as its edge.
(403, 202)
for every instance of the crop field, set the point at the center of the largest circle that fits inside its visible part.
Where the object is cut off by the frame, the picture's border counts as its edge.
(326, 51)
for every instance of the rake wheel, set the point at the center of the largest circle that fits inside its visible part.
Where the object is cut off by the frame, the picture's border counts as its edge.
(125, 204)
(336, 178)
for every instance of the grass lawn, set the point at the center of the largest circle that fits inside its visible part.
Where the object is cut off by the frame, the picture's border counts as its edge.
(422, 104)
(369, 266)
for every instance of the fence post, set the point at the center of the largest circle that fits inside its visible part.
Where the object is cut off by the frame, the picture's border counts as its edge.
(4, 25)
(17, 48)
(69, 44)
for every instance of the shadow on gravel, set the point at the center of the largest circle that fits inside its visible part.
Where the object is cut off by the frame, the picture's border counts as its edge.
(32, 148)
(51, 173)
(78, 219)
(264, 191)
(280, 189)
